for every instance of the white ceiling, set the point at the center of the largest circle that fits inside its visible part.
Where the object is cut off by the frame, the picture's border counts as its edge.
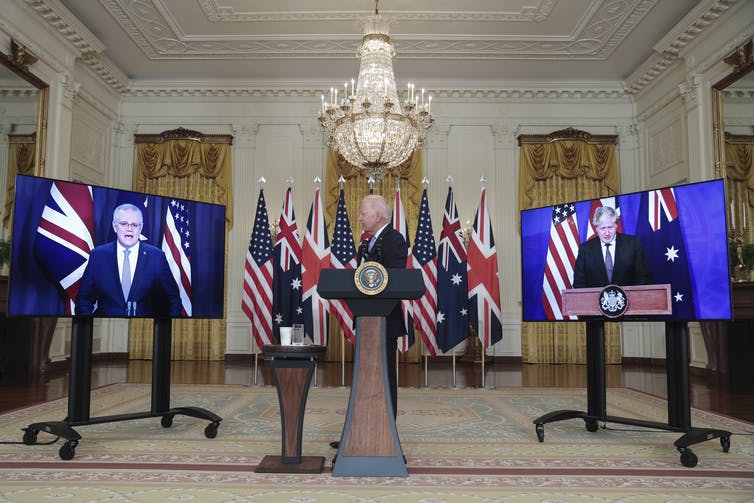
(315, 41)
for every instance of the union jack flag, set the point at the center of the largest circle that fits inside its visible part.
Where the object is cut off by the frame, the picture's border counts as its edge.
(484, 286)
(286, 291)
(65, 236)
(176, 243)
(399, 224)
(561, 259)
(315, 256)
(424, 258)
(452, 282)
(256, 299)
(343, 256)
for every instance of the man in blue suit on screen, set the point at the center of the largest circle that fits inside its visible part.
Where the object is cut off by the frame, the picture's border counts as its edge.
(127, 277)
(614, 258)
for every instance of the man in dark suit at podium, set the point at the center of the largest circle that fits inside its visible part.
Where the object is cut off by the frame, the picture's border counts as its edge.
(614, 258)
(386, 246)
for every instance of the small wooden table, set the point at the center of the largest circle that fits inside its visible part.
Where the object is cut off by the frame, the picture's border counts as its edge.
(293, 367)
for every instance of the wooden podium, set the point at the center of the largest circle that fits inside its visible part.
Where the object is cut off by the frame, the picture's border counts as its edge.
(369, 444)
(643, 301)
(293, 367)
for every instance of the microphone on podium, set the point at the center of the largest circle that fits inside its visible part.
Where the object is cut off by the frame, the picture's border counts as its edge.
(363, 252)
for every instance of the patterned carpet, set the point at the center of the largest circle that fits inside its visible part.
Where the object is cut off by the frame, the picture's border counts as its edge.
(468, 445)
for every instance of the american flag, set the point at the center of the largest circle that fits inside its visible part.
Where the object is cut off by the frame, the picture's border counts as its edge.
(256, 299)
(65, 236)
(176, 243)
(561, 259)
(399, 224)
(343, 256)
(424, 258)
(315, 256)
(452, 282)
(286, 292)
(484, 285)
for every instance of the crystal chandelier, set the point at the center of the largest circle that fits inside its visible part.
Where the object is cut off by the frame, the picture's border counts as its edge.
(368, 126)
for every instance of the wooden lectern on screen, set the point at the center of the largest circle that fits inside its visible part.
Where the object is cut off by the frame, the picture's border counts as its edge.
(643, 300)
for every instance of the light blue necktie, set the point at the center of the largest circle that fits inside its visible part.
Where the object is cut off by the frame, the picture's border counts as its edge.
(608, 262)
(371, 243)
(125, 275)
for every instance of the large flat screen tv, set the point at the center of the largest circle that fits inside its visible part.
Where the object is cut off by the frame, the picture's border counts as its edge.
(66, 260)
(682, 232)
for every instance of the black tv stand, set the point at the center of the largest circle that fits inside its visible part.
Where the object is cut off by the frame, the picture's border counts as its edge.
(679, 408)
(80, 379)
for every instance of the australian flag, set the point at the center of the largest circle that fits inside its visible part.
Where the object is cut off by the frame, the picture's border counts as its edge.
(452, 283)
(659, 229)
(287, 307)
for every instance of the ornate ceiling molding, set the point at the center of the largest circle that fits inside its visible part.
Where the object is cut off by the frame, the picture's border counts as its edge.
(223, 13)
(89, 47)
(155, 32)
(670, 48)
(148, 25)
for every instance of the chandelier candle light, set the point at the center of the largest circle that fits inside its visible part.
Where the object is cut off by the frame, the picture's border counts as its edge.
(368, 126)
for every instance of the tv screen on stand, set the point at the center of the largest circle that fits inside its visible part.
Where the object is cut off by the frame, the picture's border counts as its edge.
(67, 254)
(682, 240)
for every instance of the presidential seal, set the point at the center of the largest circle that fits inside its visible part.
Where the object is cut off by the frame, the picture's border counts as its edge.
(370, 278)
(613, 301)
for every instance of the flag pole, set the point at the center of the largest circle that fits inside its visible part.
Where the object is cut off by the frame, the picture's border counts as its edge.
(484, 357)
(255, 381)
(426, 370)
(453, 360)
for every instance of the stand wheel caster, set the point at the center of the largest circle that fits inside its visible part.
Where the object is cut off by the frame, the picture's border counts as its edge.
(725, 443)
(540, 429)
(30, 436)
(211, 430)
(688, 458)
(67, 450)
(166, 421)
(591, 425)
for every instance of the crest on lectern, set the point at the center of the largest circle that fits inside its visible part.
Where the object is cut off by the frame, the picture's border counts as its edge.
(613, 301)
(371, 278)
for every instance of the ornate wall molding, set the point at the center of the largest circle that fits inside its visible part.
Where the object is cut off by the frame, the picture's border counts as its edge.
(177, 90)
(690, 90)
(569, 133)
(183, 134)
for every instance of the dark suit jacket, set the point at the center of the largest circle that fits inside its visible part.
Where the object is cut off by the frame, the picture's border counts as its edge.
(629, 266)
(153, 288)
(391, 251)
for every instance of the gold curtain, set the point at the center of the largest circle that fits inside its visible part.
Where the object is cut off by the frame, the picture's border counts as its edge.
(20, 161)
(739, 174)
(189, 165)
(355, 188)
(567, 165)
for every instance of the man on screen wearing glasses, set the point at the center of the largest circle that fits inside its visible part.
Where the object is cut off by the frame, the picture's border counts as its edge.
(126, 277)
